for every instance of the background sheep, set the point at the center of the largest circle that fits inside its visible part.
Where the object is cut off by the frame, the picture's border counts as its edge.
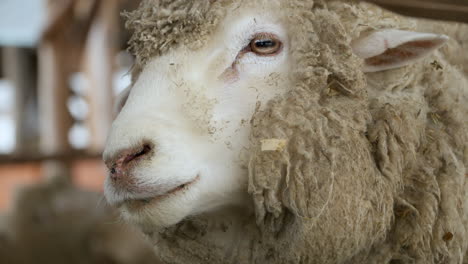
(342, 166)
(56, 223)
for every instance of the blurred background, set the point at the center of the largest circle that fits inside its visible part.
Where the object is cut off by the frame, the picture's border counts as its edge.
(62, 62)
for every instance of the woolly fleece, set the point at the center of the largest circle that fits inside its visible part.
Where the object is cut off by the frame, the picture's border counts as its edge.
(374, 170)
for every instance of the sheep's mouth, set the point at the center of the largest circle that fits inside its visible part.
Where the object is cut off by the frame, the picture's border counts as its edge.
(138, 204)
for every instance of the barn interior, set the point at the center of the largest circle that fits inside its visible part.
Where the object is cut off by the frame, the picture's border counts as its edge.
(62, 63)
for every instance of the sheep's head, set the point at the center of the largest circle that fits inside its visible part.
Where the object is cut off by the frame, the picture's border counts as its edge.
(263, 104)
(184, 128)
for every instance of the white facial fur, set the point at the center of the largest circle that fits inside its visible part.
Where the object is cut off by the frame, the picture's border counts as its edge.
(195, 106)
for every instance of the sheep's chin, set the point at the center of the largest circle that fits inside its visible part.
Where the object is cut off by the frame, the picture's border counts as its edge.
(162, 211)
(138, 205)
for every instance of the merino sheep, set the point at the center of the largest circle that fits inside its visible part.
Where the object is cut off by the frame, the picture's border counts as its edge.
(292, 131)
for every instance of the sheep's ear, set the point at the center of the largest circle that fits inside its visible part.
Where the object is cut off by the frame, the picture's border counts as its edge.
(391, 48)
(122, 99)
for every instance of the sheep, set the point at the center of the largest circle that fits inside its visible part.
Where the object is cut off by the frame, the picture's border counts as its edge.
(292, 131)
(54, 222)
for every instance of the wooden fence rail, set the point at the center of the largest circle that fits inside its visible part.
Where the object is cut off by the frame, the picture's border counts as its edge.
(450, 10)
(33, 158)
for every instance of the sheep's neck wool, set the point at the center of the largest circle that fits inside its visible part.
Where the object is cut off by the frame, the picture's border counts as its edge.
(374, 166)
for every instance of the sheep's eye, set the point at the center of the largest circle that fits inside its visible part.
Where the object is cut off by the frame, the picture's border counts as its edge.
(265, 44)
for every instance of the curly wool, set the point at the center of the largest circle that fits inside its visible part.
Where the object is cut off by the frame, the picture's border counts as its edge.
(374, 170)
(160, 25)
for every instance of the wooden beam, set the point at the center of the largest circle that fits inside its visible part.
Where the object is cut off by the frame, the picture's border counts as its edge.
(450, 10)
(32, 158)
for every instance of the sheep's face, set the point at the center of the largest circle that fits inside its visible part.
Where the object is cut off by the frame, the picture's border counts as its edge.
(179, 145)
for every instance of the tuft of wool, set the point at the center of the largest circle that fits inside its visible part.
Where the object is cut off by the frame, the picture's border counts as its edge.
(160, 25)
(374, 166)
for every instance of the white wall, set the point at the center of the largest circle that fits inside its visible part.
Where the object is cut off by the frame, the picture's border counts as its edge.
(7, 127)
(21, 22)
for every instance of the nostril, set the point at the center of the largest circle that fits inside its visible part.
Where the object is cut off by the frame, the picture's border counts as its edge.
(138, 153)
(120, 166)
(142, 152)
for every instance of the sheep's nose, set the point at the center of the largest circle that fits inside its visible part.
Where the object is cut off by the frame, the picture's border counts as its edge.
(120, 165)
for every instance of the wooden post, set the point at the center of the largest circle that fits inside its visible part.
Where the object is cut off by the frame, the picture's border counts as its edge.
(57, 56)
(55, 120)
(98, 66)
